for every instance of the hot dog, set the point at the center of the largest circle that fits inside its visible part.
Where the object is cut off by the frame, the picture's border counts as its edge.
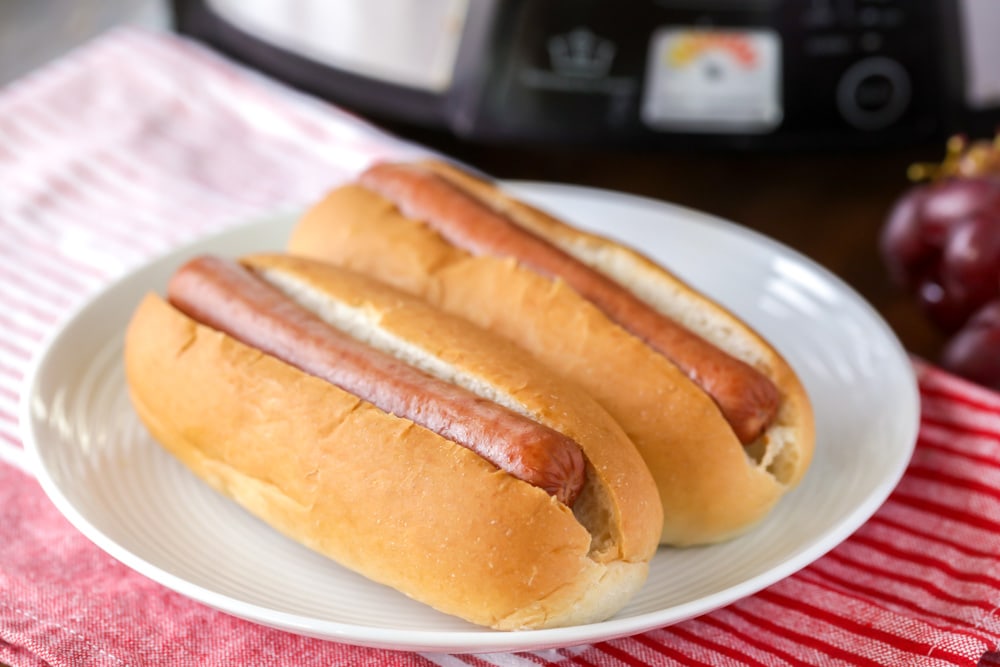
(406, 444)
(232, 299)
(747, 399)
(719, 416)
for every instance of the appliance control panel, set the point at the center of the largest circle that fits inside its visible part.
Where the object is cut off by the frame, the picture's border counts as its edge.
(831, 71)
(734, 74)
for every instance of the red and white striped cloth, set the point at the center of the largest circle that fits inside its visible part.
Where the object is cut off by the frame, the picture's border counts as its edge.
(140, 142)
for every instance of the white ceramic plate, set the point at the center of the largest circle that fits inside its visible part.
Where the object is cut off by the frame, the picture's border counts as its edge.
(122, 491)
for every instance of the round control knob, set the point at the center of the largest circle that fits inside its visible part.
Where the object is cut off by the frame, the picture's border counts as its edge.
(873, 93)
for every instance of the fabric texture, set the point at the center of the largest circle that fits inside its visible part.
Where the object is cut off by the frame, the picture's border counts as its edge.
(139, 142)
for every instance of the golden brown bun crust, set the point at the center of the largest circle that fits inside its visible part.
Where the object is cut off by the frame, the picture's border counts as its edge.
(711, 490)
(385, 497)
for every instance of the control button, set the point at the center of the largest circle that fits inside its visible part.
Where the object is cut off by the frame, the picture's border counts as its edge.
(829, 45)
(873, 93)
(819, 15)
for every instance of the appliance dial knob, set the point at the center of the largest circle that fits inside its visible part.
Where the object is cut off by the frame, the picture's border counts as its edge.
(873, 93)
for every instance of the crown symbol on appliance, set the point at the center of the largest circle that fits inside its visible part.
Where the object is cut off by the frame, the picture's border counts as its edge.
(581, 53)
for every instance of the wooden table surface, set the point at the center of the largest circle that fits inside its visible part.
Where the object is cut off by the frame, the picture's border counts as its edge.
(829, 207)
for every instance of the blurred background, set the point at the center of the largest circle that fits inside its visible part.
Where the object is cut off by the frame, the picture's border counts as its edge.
(799, 119)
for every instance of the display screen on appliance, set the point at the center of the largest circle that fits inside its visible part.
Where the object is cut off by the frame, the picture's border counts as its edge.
(713, 80)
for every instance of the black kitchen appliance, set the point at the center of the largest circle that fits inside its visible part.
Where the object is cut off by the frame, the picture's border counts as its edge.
(745, 74)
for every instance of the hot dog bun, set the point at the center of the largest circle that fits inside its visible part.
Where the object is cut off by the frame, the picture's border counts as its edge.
(712, 487)
(382, 495)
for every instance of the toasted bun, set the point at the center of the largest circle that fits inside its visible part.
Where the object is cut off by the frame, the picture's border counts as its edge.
(711, 486)
(381, 495)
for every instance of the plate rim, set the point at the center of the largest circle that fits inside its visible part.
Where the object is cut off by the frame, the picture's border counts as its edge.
(476, 640)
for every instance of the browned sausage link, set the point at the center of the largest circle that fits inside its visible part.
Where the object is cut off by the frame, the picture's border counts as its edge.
(748, 399)
(228, 297)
